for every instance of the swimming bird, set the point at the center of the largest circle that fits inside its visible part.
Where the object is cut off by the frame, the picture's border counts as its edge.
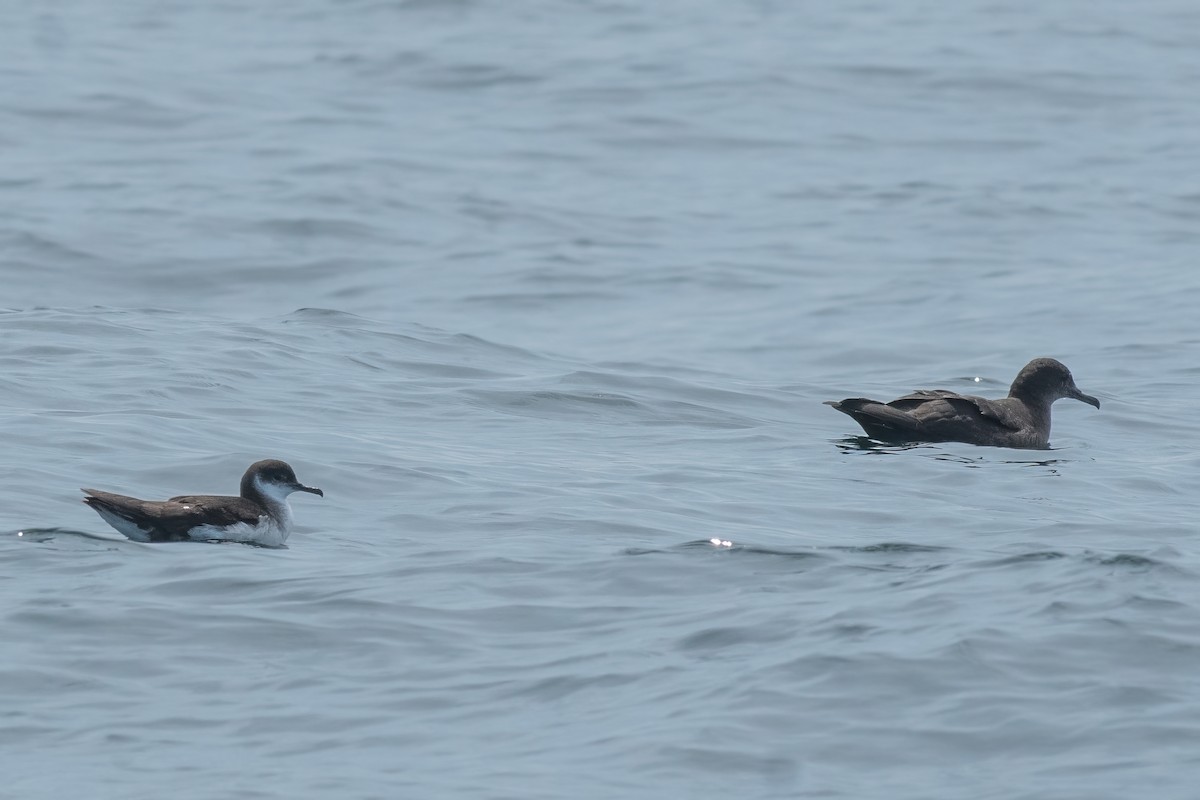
(1020, 420)
(260, 516)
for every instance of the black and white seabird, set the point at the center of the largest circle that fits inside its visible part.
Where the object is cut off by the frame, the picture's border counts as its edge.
(260, 516)
(1020, 420)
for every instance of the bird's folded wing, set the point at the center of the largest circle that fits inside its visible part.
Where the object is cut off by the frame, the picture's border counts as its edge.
(931, 404)
(213, 510)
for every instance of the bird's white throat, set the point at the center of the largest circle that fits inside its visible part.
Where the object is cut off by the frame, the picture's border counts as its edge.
(276, 497)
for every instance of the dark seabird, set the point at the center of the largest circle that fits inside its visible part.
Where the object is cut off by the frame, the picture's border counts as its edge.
(260, 516)
(1020, 420)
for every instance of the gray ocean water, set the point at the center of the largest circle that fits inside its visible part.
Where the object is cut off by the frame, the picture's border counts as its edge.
(546, 297)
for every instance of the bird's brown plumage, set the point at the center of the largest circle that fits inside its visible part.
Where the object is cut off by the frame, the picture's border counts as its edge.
(1020, 420)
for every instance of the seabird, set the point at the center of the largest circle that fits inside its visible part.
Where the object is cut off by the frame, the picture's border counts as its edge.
(1020, 420)
(260, 516)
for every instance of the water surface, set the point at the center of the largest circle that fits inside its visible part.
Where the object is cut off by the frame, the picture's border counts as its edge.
(547, 300)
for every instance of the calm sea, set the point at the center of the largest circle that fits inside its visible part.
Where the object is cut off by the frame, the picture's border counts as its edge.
(546, 297)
